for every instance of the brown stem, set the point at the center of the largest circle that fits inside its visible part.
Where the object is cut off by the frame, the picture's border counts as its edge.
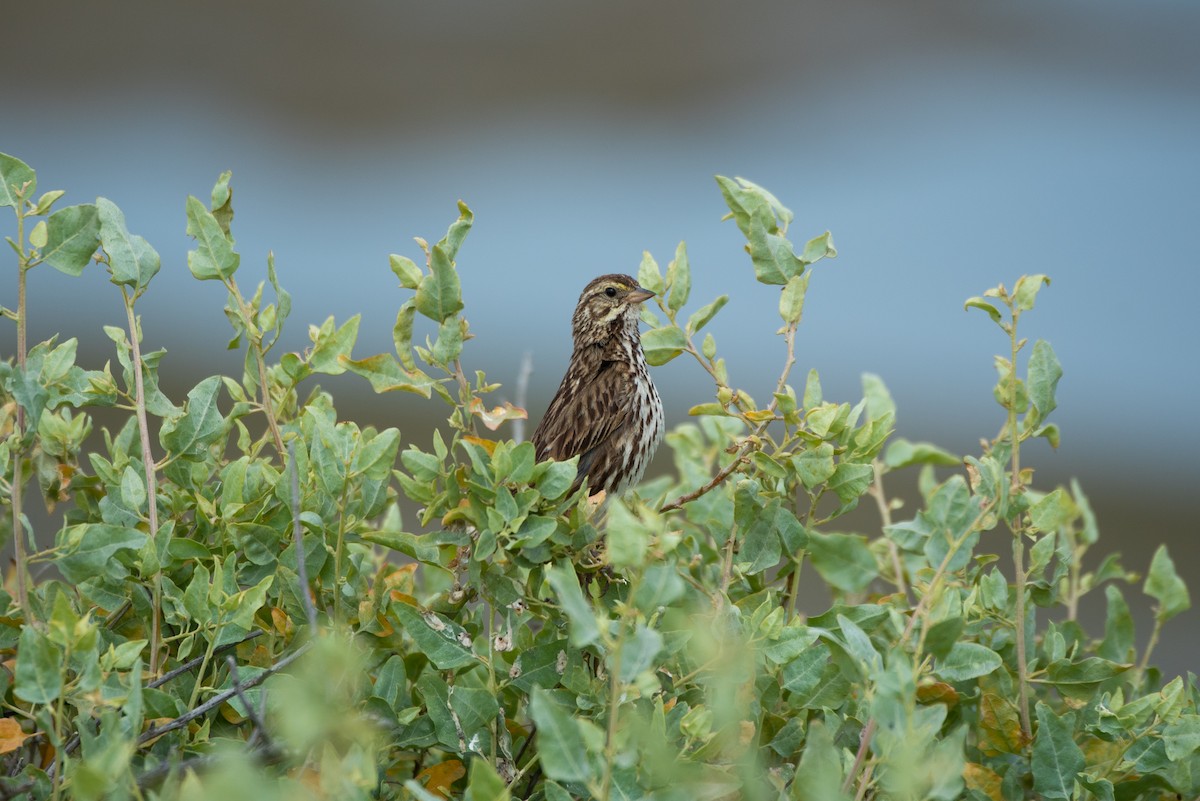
(717, 479)
(203, 709)
(148, 468)
(864, 743)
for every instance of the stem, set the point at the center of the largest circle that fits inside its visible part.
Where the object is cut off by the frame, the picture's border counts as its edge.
(148, 468)
(864, 743)
(19, 431)
(614, 705)
(1022, 668)
(885, 515)
(208, 652)
(1017, 531)
(748, 443)
(794, 586)
(1144, 663)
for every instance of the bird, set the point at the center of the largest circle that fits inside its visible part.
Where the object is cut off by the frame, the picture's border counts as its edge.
(607, 410)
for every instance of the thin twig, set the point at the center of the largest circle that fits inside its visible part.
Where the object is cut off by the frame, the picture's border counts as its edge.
(148, 469)
(717, 479)
(192, 664)
(522, 391)
(310, 611)
(256, 718)
(885, 516)
(220, 698)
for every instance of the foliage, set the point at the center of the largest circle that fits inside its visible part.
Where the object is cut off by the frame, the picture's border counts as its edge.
(239, 610)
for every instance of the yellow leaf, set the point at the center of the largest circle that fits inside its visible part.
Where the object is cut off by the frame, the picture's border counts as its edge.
(11, 735)
(492, 419)
(438, 778)
(488, 445)
(984, 779)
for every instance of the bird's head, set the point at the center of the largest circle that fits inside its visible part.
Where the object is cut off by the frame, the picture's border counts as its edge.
(608, 305)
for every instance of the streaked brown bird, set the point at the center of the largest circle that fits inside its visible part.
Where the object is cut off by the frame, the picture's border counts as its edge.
(606, 410)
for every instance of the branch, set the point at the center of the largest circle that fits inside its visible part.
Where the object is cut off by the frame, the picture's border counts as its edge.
(717, 479)
(220, 698)
(148, 469)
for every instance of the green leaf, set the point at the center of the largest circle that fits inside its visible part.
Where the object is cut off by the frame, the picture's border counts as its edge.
(214, 258)
(1043, 376)
(331, 345)
(803, 674)
(402, 333)
(245, 604)
(439, 294)
(557, 478)
(39, 671)
(791, 299)
(435, 637)
(410, 545)
(661, 345)
(979, 303)
(1026, 290)
(131, 259)
(775, 262)
(387, 375)
(133, 489)
(457, 232)
(14, 174)
(1182, 737)
(73, 234)
(850, 481)
(879, 400)
(968, 660)
(222, 201)
(704, 314)
(484, 784)
(201, 424)
(902, 453)
(88, 548)
(561, 749)
(1165, 586)
(1057, 760)
(1053, 511)
(406, 270)
(819, 247)
(679, 277)
(1080, 679)
(565, 584)
(843, 560)
(814, 465)
(639, 651)
(649, 276)
(819, 775)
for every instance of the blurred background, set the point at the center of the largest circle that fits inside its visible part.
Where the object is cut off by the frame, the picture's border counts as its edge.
(949, 146)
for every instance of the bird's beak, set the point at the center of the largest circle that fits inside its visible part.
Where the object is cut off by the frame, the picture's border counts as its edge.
(638, 295)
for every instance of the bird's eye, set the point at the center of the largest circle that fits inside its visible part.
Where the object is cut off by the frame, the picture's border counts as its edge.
(611, 292)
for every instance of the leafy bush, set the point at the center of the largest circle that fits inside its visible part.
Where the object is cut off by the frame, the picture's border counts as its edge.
(243, 613)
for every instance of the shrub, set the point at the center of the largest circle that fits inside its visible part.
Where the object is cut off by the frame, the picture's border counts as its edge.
(237, 608)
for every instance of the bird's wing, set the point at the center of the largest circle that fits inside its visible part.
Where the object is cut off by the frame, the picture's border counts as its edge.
(592, 404)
